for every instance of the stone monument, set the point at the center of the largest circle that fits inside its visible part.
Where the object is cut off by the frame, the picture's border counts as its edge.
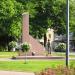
(36, 47)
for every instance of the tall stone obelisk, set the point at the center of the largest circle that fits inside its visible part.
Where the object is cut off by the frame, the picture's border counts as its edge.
(25, 27)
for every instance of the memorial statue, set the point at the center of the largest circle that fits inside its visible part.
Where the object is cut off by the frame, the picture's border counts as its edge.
(48, 47)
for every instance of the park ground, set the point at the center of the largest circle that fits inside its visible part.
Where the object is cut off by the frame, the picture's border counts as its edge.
(31, 65)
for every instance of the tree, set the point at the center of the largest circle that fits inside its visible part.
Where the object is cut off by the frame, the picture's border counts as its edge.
(10, 21)
(48, 15)
(72, 16)
(44, 14)
(25, 48)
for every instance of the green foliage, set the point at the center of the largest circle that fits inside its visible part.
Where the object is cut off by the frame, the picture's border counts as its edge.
(6, 12)
(15, 30)
(43, 14)
(48, 14)
(25, 47)
(72, 16)
(12, 44)
(61, 47)
(10, 21)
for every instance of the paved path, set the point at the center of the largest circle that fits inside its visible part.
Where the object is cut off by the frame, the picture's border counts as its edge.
(32, 57)
(14, 73)
(36, 57)
(40, 57)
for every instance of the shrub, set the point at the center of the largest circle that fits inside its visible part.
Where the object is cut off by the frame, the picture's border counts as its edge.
(25, 46)
(61, 47)
(12, 44)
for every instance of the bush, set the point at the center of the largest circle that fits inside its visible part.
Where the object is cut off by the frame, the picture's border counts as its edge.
(25, 46)
(61, 47)
(12, 44)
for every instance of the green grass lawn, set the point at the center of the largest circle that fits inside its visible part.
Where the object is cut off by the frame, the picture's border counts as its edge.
(8, 54)
(32, 65)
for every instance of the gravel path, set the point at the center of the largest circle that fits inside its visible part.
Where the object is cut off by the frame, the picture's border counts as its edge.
(14, 73)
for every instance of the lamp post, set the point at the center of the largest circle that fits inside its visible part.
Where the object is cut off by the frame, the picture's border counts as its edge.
(67, 34)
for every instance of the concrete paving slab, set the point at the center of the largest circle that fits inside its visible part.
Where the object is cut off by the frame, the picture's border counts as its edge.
(14, 73)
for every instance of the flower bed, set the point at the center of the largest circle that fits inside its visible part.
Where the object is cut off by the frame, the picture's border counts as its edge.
(57, 71)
